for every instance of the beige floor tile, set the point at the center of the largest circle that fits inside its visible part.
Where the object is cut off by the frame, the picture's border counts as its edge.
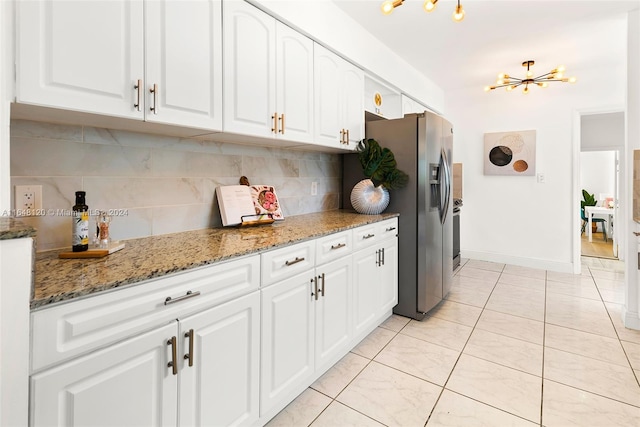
(603, 378)
(477, 273)
(373, 343)
(507, 389)
(340, 375)
(565, 406)
(633, 353)
(603, 283)
(625, 334)
(517, 301)
(569, 277)
(455, 312)
(390, 396)
(302, 411)
(601, 273)
(585, 344)
(395, 323)
(579, 313)
(512, 326)
(612, 295)
(465, 295)
(522, 281)
(455, 410)
(474, 283)
(438, 331)
(485, 265)
(584, 288)
(422, 359)
(338, 414)
(613, 265)
(506, 351)
(525, 271)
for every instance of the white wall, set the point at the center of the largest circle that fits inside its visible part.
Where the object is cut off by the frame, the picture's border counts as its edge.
(598, 172)
(602, 131)
(516, 219)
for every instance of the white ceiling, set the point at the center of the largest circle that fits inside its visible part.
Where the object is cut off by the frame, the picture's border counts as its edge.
(497, 36)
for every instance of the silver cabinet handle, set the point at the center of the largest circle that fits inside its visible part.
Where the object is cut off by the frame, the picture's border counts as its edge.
(138, 88)
(154, 91)
(382, 251)
(172, 363)
(338, 246)
(378, 258)
(322, 291)
(390, 229)
(295, 261)
(368, 236)
(188, 295)
(314, 292)
(189, 356)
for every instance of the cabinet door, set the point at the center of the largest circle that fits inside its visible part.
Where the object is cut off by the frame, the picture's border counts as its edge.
(366, 279)
(80, 55)
(353, 103)
(333, 311)
(388, 274)
(294, 84)
(287, 313)
(249, 70)
(184, 63)
(127, 384)
(222, 386)
(327, 97)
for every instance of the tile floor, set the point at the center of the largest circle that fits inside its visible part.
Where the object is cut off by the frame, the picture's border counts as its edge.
(510, 346)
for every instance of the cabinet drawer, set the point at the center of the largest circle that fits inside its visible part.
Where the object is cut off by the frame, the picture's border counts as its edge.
(333, 246)
(67, 330)
(388, 228)
(283, 263)
(365, 236)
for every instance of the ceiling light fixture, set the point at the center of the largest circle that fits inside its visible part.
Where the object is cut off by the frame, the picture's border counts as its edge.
(429, 6)
(510, 83)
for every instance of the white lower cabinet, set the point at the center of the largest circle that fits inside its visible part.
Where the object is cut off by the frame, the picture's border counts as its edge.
(224, 351)
(306, 328)
(220, 362)
(126, 384)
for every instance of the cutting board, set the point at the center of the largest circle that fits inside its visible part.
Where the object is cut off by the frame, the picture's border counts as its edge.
(93, 252)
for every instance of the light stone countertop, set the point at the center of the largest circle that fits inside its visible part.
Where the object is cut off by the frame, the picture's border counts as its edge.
(59, 280)
(12, 228)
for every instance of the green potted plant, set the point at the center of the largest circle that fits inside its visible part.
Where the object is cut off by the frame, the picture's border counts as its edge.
(588, 200)
(371, 195)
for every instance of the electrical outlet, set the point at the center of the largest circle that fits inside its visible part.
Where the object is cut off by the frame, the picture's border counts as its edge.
(28, 200)
(540, 177)
(314, 188)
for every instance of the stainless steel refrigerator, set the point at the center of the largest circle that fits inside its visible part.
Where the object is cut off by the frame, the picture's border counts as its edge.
(422, 145)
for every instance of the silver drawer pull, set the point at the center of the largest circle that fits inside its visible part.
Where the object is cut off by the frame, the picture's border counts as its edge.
(390, 229)
(189, 294)
(295, 261)
(368, 236)
(338, 246)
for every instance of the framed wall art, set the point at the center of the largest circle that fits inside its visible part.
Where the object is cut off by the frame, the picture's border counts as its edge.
(510, 153)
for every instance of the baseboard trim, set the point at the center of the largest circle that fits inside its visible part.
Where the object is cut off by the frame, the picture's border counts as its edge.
(543, 264)
(630, 319)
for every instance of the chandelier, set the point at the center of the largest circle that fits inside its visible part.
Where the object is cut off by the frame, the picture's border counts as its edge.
(428, 5)
(510, 83)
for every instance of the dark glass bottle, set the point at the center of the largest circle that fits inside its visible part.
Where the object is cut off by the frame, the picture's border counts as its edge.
(80, 223)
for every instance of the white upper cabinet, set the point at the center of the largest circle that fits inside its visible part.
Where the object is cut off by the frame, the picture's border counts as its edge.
(381, 99)
(184, 63)
(90, 56)
(83, 56)
(410, 106)
(339, 105)
(268, 71)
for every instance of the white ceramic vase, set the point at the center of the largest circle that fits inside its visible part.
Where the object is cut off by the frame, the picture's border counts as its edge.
(369, 199)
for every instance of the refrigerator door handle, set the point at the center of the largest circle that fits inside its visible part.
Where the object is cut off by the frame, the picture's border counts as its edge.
(446, 181)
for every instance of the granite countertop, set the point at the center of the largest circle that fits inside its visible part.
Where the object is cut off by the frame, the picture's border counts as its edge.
(12, 228)
(150, 257)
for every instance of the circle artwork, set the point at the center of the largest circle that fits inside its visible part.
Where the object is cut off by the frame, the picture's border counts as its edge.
(500, 155)
(520, 166)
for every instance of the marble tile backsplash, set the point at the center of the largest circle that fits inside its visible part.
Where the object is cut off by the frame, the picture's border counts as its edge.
(162, 184)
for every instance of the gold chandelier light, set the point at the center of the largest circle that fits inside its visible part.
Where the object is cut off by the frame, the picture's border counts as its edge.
(510, 83)
(429, 6)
